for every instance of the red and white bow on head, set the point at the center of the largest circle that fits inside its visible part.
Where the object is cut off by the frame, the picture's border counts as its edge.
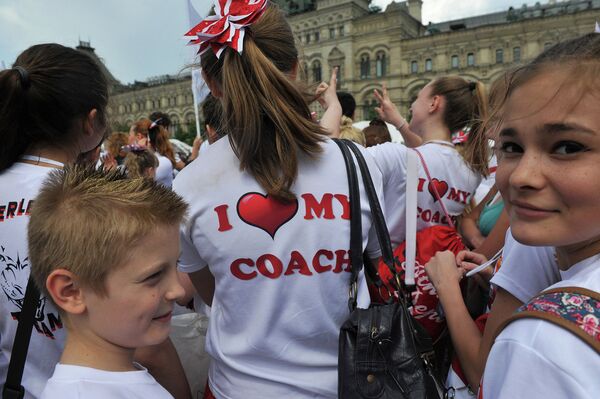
(227, 27)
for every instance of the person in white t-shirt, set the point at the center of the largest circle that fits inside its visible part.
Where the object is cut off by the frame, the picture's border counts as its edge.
(268, 223)
(548, 174)
(52, 109)
(104, 247)
(149, 134)
(443, 106)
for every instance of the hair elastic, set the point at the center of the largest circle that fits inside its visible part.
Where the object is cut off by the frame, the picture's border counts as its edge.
(23, 76)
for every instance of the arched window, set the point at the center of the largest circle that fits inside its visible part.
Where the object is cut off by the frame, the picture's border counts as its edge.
(454, 61)
(414, 67)
(365, 66)
(380, 66)
(517, 54)
(428, 65)
(316, 71)
(470, 59)
(499, 56)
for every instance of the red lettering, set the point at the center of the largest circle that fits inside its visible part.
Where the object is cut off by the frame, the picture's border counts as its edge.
(236, 269)
(29, 207)
(316, 263)
(343, 199)
(320, 209)
(436, 217)
(10, 211)
(465, 196)
(2, 208)
(221, 211)
(454, 195)
(421, 184)
(342, 257)
(297, 262)
(21, 210)
(426, 215)
(261, 265)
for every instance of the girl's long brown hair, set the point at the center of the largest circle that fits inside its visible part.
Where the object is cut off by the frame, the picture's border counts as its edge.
(466, 107)
(265, 115)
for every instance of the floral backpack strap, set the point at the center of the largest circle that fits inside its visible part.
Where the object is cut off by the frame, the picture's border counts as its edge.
(572, 308)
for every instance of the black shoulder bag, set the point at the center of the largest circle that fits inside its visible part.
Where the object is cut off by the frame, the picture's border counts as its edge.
(383, 352)
(12, 386)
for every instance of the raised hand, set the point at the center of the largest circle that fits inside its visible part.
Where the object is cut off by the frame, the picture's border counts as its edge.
(387, 110)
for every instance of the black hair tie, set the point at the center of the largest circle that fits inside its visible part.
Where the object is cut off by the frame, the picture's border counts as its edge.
(23, 76)
(472, 85)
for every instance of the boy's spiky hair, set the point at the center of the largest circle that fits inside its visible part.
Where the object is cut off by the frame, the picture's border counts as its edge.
(87, 221)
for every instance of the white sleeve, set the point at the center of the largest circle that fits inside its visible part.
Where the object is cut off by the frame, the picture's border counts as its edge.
(390, 159)
(526, 270)
(189, 259)
(517, 370)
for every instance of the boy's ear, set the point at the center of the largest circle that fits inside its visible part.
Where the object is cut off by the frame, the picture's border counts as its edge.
(63, 287)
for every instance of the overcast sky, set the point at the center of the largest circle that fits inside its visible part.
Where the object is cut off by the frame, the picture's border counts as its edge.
(139, 39)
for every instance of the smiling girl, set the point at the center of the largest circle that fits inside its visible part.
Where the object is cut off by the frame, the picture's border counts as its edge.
(549, 152)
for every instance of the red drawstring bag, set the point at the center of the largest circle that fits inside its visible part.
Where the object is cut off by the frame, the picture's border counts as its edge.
(428, 241)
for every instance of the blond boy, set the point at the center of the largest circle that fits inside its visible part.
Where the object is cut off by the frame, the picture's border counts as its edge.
(104, 248)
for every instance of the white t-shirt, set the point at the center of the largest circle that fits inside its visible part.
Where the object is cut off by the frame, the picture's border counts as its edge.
(281, 272)
(20, 184)
(486, 184)
(77, 382)
(164, 172)
(534, 358)
(455, 182)
(526, 270)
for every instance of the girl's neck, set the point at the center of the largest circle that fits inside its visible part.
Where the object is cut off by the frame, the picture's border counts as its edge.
(54, 154)
(435, 131)
(86, 349)
(571, 254)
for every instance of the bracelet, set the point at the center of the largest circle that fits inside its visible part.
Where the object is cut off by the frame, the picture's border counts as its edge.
(401, 125)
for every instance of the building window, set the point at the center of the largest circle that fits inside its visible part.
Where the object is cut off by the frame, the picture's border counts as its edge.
(365, 66)
(332, 33)
(499, 56)
(414, 67)
(308, 38)
(454, 61)
(316, 71)
(342, 30)
(517, 54)
(470, 59)
(317, 36)
(428, 65)
(380, 66)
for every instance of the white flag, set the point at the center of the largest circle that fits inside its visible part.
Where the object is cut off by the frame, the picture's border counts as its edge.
(199, 86)
(597, 28)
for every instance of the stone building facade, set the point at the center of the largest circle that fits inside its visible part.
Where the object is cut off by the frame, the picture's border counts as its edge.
(371, 46)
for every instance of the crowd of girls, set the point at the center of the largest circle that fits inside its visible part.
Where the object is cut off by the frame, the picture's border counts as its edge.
(265, 243)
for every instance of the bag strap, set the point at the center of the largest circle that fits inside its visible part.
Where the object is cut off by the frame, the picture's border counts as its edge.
(550, 306)
(12, 387)
(356, 250)
(435, 191)
(412, 167)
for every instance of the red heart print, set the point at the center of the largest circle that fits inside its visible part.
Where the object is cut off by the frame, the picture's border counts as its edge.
(441, 186)
(264, 212)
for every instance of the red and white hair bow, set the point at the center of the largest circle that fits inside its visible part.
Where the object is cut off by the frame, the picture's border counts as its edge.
(228, 26)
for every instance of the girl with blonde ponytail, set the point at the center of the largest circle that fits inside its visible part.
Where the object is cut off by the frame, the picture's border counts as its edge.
(266, 243)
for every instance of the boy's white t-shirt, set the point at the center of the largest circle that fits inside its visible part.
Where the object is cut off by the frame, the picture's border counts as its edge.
(534, 358)
(526, 270)
(455, 182)
(77, 382)
(20, 185)
(164, 171)
(281, 271)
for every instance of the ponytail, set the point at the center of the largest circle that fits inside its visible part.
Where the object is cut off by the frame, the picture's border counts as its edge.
(13, 105)
(466, 107)
(49, 88)
(265, 115)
